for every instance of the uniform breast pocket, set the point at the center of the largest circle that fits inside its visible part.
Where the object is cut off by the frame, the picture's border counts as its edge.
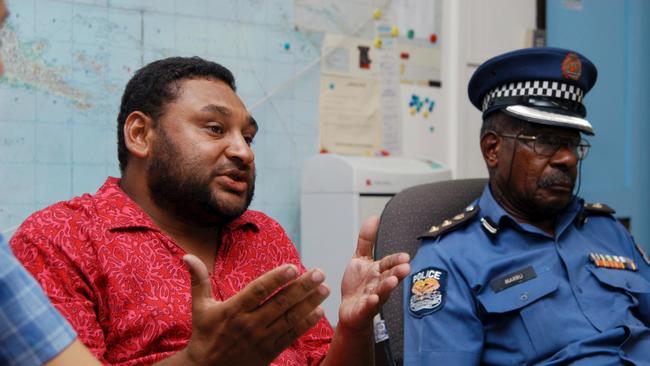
(627, 293)
(621, 280)
(517, 317)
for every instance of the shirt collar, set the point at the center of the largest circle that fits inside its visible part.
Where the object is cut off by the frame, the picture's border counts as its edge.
(491, 208)
(120, 212)
(247, 220)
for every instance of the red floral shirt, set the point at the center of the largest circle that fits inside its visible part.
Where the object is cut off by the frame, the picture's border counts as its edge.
(122, 283)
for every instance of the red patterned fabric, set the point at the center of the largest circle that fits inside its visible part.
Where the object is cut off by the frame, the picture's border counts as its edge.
(123, 285)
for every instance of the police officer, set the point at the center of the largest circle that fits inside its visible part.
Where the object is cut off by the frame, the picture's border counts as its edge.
(530, 273)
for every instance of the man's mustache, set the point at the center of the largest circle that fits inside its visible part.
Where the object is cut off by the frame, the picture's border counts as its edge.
(558, 178)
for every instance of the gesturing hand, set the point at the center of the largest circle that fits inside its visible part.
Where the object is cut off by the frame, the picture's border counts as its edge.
(254, 326)
(367, 283)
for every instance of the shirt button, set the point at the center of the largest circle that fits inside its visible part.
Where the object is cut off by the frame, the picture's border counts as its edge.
(627, 285)
(524, 296)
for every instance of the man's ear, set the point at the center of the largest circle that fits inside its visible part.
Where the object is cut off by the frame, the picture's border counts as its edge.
(490, 146)
(138, 134)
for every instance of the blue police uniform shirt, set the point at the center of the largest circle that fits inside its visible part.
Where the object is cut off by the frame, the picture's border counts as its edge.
(32, 331)
(521, 296)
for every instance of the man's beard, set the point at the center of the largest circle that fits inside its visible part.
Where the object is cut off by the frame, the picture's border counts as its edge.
(175, 187)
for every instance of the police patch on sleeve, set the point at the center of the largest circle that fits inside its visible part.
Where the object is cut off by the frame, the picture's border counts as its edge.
(427, 291)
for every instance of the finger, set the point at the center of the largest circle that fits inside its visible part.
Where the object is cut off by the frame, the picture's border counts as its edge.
(281, 302)
(401, 271)
(367, 237)
(383, 290)
(201, 288)
(385, 287)
(293, 317)
(393, 260)
(391, 281)
(287, 338)
(371, 303)
(262, 287)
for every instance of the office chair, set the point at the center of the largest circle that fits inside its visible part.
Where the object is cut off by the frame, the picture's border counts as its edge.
(406, 216)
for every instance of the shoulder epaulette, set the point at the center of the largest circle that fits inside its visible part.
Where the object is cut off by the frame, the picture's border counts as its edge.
(592, 209)
(452, 223)
(598, 208)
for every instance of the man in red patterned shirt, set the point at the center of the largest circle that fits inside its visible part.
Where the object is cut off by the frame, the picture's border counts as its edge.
(114, 263)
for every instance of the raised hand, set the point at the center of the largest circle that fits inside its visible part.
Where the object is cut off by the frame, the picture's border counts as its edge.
(365, 287)
(367, 283)
(254, 326)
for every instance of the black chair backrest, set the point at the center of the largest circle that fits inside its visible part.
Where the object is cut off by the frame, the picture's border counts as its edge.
(406, 216)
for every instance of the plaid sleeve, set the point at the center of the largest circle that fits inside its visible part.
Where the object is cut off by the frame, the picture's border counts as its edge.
(31, 330)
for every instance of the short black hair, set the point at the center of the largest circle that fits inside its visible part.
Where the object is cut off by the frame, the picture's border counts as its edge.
(156, 84)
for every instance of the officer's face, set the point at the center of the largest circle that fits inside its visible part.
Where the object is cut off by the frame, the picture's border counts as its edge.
(533, 184)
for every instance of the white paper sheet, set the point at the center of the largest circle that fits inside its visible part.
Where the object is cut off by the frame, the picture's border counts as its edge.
(350, 120)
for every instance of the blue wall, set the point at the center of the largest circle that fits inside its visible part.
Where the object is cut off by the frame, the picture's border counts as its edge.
(615, 35)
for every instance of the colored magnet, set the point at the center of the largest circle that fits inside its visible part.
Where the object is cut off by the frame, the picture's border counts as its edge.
(425, 114)
(331, 85)
(433, 38)
(376, 14)
(394, 31)
(364, 58)
(410, 34)
(404, 55)
(412, 110)
(377, 42)
(287, 46)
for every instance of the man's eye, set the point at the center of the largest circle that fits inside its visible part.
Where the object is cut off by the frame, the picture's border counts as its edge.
(216, 129)
(249, 139)
(556, 142)
(548, 140)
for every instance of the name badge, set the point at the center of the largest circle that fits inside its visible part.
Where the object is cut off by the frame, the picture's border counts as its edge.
(513, 279)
